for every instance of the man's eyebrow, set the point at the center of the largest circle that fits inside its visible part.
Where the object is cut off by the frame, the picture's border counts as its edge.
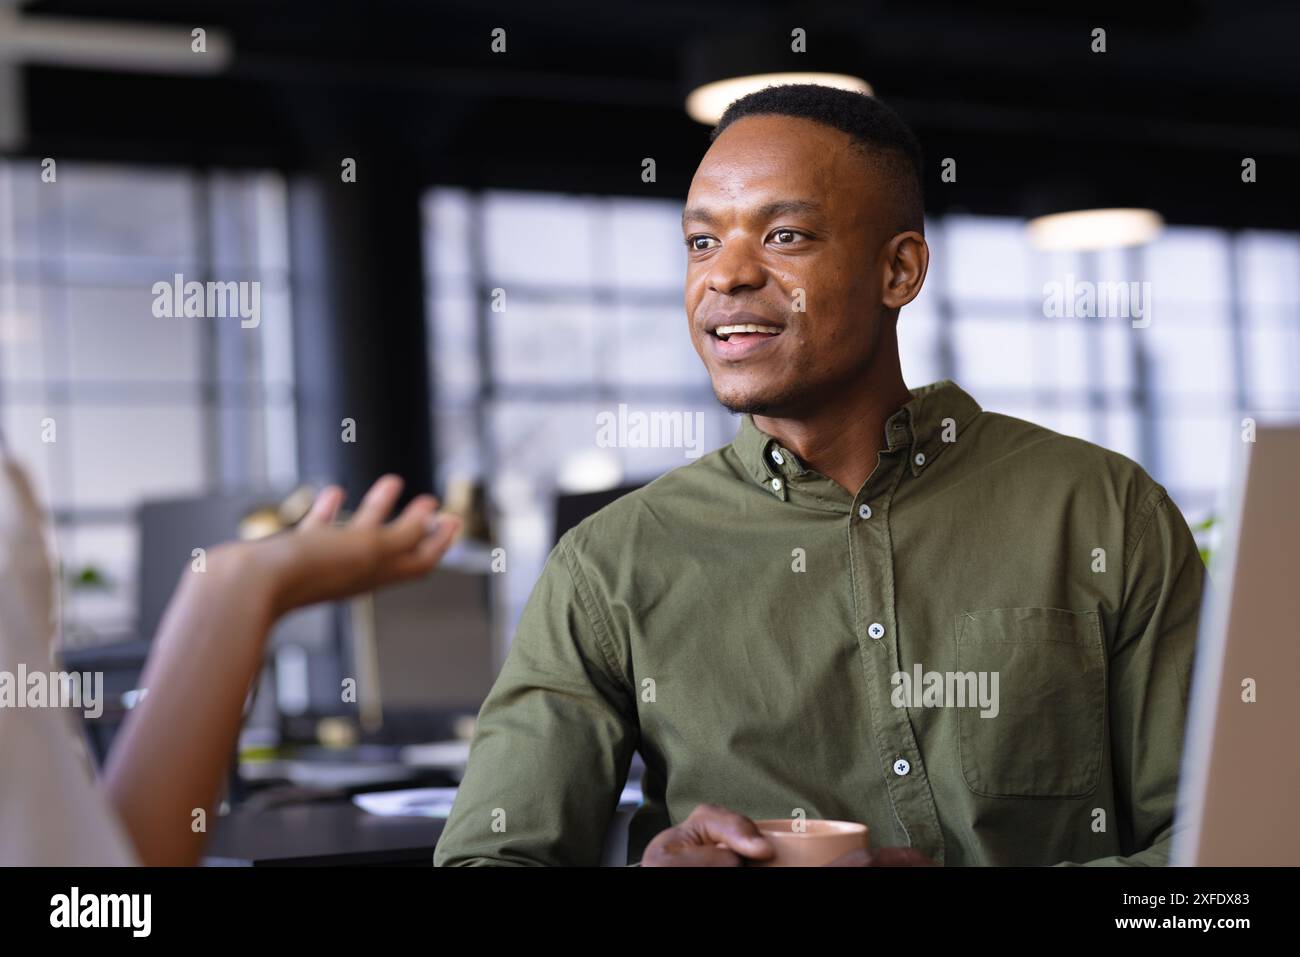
(699, 214)
(771, 210)
(785, 206)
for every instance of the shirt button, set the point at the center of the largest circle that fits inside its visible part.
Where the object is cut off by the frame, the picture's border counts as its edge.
(776, 485)
(777, 457)
(876, 630)
(864, 511)
(901, 767)
(920, 458)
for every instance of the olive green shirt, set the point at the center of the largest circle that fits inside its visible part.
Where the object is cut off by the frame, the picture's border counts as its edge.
(744, 623)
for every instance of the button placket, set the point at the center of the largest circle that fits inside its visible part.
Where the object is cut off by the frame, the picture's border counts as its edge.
(896, 746)
(780, 467)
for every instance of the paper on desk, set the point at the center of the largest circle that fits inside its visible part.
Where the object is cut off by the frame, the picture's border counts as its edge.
(436, 802)
(413, 802)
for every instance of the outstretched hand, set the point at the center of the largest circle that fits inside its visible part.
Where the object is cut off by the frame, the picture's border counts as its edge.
(321, 561)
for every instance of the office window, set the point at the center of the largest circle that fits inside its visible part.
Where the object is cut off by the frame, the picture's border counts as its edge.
(594, 317)
(1168, 388)
(591, 317)
(107, 404)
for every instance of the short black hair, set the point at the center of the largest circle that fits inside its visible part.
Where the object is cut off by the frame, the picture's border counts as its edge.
(874, 127)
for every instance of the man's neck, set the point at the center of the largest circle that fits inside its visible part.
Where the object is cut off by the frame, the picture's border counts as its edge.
(841, 440)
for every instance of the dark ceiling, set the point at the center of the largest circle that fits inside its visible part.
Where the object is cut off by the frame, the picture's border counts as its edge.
(585, 90)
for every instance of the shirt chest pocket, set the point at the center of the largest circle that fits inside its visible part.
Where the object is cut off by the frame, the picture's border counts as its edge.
(1046, 738)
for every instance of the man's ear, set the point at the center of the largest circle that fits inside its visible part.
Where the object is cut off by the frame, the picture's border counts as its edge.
(907, 257)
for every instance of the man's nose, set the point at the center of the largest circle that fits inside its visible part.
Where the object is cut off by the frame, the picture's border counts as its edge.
(735, 268)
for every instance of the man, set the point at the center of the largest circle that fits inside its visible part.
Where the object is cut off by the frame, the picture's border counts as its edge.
(762, 624)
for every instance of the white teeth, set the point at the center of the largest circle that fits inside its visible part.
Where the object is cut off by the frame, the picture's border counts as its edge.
(745, 327)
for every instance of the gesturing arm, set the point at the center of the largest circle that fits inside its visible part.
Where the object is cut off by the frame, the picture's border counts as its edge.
(174, 748)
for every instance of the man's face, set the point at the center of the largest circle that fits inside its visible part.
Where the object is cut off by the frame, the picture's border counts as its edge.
(785, 212)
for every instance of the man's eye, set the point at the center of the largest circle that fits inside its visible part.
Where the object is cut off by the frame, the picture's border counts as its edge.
(786, 235)
(700, 243)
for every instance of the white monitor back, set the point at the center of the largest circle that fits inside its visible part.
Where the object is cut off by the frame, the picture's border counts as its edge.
(1239, 794)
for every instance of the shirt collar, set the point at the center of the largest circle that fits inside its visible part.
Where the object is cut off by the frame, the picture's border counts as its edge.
(925, 427)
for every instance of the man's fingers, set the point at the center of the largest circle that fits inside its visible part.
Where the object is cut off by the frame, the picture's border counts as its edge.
(682, 846)
(378, 502)
(717, 825)
(324, 508)
(695, 855)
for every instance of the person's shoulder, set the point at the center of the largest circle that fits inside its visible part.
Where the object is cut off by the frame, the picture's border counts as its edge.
(658, 509)
(1109, 478)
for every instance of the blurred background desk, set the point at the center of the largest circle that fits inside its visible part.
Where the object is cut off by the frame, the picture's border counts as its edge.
(330, 833)
(337, 833)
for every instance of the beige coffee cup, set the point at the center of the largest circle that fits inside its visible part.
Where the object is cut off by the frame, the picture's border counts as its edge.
(803, 843)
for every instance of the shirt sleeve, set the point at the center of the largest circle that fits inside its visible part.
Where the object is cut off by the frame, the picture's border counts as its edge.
(1150, 681)
(554, 739)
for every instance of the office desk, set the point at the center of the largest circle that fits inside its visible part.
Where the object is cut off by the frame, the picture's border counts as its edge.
(326, 833)
(337, 833)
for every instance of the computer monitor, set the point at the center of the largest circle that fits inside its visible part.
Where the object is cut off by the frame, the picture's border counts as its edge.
(423, 648)
(170, 530)
(1241, 759)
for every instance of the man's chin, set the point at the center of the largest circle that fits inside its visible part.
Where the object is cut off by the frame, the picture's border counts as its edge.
(750, 403)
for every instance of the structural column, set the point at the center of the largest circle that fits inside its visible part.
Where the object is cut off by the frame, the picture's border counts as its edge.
(360, 345)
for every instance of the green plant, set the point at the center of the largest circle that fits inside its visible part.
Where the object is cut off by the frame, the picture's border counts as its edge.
(1204, 532)
(88, 577)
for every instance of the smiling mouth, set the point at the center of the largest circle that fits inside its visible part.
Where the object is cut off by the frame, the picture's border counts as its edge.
(738, 342)
(745, 331)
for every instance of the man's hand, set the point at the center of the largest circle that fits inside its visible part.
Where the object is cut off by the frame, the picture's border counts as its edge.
(320, 561)
(716, 837)
(710, 837)
(883, 857)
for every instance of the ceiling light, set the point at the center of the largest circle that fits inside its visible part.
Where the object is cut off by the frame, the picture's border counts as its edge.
(1093, 229)
(707, 103)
